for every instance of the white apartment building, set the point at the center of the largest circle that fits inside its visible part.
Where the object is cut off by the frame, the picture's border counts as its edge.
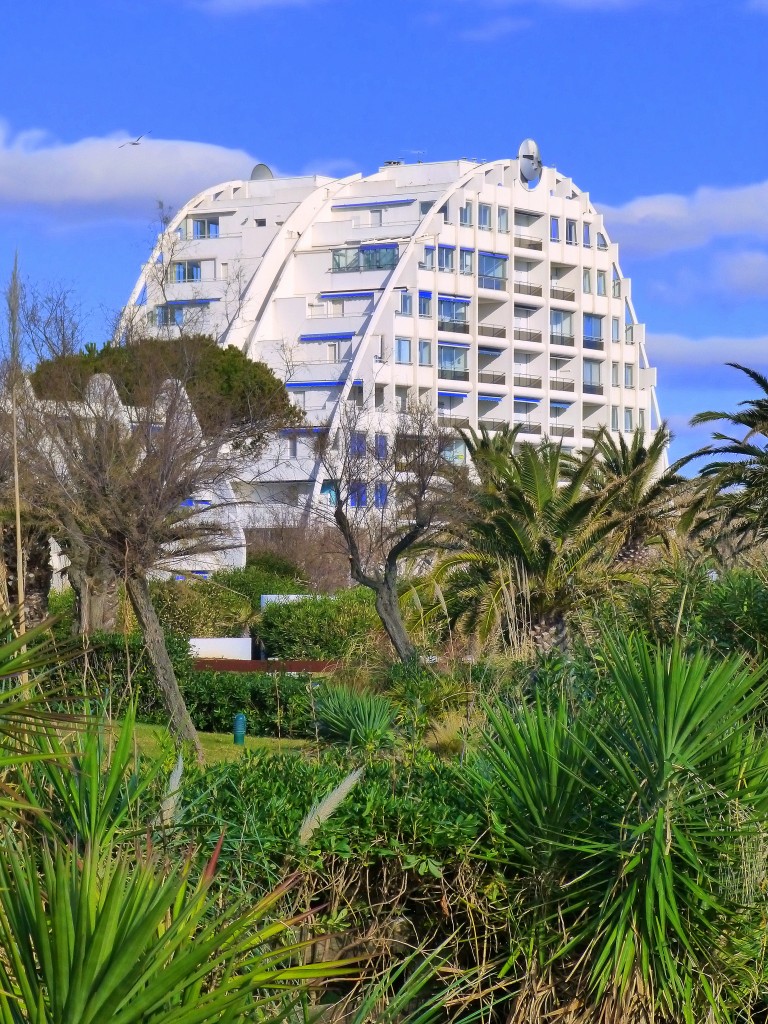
(492, 291)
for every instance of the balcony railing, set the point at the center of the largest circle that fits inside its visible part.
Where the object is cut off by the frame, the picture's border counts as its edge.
(522, 380)
(562, 293)
(457, 422)
(527, 241)
(523, 288)
(491, 331)
(455, 326)
(593, 389)
(495, 284)
(594, 343)
(448, 373)
(561, 384)
(591, 431)
(487, 377)
(526, 427)
(560, 430)
(523, 334)
(561, 339)
(492, 424)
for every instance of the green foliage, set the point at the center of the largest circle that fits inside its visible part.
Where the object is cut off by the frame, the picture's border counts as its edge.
(319, 627)
(200, 608)
(278, 565)
(257, 579)
(361, 721)
(422, 696)
(223, 384)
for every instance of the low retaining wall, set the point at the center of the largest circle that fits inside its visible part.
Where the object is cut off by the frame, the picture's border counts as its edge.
(272, 666)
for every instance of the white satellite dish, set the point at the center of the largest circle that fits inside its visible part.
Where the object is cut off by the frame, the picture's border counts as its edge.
(261, 173)
(530, 163)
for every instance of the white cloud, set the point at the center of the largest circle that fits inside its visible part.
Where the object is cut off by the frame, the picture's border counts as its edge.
(94, 176)
(743, 274)
(700, 355)
(652, 225)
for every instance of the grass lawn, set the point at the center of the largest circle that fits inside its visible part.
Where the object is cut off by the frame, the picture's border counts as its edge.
(153, 741)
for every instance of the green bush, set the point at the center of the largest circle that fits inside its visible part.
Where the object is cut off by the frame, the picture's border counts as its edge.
(255, 580)
(319, 627)
(200, 608)
(361, 721)
(278, 565)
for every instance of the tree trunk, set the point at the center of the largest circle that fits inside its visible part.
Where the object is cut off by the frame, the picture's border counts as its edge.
(38, 572)
(95, 585)
(388, 608)
(180, 722)
(549, 634)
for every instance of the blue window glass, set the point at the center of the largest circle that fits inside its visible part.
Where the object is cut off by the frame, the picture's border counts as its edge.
(358, 496)
(554, 229)
(445, 257)
(491, 271)
(406, 303)
(587, 236)
(402, 350)
(380, 495)
(381, 446)
(357, 443)
(429, 258)
(378, 257)
(484, 217)
(425, 304)
(330, 493)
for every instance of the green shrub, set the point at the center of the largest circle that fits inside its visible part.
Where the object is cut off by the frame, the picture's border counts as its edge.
(253, 581)
(200, 608)
(278, 565)
(319, 627)
(361, 721)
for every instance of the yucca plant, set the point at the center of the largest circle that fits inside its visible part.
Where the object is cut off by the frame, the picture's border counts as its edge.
(363, 721)
(105, 936)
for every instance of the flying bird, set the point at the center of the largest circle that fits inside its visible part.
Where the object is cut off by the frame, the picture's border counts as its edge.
(134, 142)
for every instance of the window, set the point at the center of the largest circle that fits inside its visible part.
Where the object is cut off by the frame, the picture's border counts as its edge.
(492, 271)
(329, 492)
(586, 281)
(401, 398)
(355, 396)
(332, 352)
(205, 227)
(561, 324)
(503, 220)
(615, 374)
(402, 350)
(425, 206)
(406, 304)
(452, 310)
(345, 260)
(601, 242)
(484, 217)
(445, 257)
(523, 409)
(293, 446)
(429, 258)
(601, 283)
(169, 316)
(425, 303)
(593, 329)
(554, 229)
(186, 270)
(336, 307)
(455, 451)
(381, 447)
(591, 376)
(376, 218)
(357, 443)
(358, 498)
(260, 222)
(616, 283)
(452, 362)
(444, 210)
(587, 238)
(641, 419)
(378, 257)
(380, 495)
(466, 261)
(615, 329)
(425, 352)
(629, 375)
(224, 271)
(614, 417)
(465, 214)
(628, 421)
(570, 232)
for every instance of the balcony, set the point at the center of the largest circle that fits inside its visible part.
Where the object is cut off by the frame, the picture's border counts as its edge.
(561, 339)
(561, 384)
(455, 326)
(523, 334)
(592, 432)
(594, 343)
(593, 389)
(526, 427)
(567, 294)
(523, 288)
(560, 430)
(486, 377)
(492, 424)
(456, 422)
(523, 241)
(491, 331)
(524, 381)
(448, 373)
(494, 284)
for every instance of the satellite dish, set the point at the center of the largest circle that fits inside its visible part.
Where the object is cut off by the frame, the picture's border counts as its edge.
(261, 173)
(530, 163)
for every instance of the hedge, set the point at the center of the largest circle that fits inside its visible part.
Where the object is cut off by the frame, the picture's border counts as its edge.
(319, 627)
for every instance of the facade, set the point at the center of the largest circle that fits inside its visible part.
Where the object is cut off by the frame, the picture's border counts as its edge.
(493, 293)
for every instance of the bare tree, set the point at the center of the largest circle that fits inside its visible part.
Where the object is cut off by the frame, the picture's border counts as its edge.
(390, 490)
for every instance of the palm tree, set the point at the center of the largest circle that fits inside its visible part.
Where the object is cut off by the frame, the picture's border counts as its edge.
(735, 485)
(646, 495)
(535, 547)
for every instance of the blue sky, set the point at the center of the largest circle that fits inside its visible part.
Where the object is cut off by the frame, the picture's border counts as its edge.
(659, 108)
